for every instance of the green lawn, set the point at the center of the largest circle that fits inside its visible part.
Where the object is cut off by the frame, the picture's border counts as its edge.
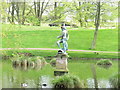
(73, 54)
(45, 37)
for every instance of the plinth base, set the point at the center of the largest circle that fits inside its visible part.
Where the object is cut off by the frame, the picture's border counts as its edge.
(60, 73)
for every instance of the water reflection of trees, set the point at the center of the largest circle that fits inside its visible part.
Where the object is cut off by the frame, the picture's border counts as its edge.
(19, 80)
(20, 77)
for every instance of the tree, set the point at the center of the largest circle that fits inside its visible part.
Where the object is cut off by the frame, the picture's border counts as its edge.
(40, 8)
(109, 12)
(55, 10)
(23, 13)
(58, 14)
(4, 7)
(13, 10)
(20, 8)
(83, 11)
(97, 23)
(106, 12)
(18, 12)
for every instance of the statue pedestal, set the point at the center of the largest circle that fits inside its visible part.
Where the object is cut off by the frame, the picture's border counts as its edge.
(61, 64)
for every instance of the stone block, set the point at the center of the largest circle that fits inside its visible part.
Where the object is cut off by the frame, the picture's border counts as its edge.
(61, 64)
(61, 61)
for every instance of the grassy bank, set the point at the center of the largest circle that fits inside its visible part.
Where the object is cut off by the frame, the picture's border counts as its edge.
(45, 37)
(72, 54)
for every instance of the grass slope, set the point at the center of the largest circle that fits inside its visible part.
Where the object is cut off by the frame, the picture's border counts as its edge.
(72, 54)
(45, 37)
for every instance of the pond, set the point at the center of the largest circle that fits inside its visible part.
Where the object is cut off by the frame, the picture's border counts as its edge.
(41, 78)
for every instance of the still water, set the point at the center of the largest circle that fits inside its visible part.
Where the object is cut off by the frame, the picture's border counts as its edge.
(17, 77)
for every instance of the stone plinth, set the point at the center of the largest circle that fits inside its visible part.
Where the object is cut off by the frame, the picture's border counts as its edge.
(61, 64)
(61, 61)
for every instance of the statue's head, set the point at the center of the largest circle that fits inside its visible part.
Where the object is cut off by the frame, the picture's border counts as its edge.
(63, 26)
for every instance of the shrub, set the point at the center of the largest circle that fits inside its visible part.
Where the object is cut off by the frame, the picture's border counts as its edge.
(18, 57)
(53, 62)
(67, 81)
(76, 82)
(33, 20)
(115, 80)
(104, 62)
(43, 61)
(36, 59)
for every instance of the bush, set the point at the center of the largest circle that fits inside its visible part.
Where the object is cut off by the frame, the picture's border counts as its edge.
(53, 62)
(104, 62)
(38, 58)
(22, 57)
(115, 80)
(67, 81)
(33, 20)
(18, 57)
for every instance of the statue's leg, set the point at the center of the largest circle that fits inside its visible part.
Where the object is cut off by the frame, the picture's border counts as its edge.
(64, 45)
(58, 43)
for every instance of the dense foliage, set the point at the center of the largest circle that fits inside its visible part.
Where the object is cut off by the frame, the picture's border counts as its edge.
(104, 62)
(115, 80)
(67, 81)
(77, 12)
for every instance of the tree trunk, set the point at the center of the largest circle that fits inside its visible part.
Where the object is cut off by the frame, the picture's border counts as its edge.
(17, 10)
(38, 8)
(12, 13)
(86, 16)
(97, 23)
(81, 23)
(38, 11)
(23, 13)
(94, 76)
(55, 6)
(35, 7)
(8, 15)
(41, 13)
(79, 3)
(42, 9)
